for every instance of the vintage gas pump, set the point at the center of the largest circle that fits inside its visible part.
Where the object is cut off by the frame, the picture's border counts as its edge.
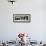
(21, 36)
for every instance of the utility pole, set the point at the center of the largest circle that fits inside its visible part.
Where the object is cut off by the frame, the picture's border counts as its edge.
(12, 1)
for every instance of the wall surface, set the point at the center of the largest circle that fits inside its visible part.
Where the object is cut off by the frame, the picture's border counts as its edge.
(37, 27)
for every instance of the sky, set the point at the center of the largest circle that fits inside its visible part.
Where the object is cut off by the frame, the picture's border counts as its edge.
(36, 28)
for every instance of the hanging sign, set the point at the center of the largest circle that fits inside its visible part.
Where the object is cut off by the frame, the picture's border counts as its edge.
(21, 18)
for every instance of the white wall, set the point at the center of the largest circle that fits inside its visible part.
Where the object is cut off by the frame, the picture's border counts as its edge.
(37, 27)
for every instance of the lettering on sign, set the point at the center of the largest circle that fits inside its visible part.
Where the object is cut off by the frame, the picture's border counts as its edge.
(24, 18)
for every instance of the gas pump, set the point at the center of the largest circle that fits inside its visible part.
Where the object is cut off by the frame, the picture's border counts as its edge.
(21, 36)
